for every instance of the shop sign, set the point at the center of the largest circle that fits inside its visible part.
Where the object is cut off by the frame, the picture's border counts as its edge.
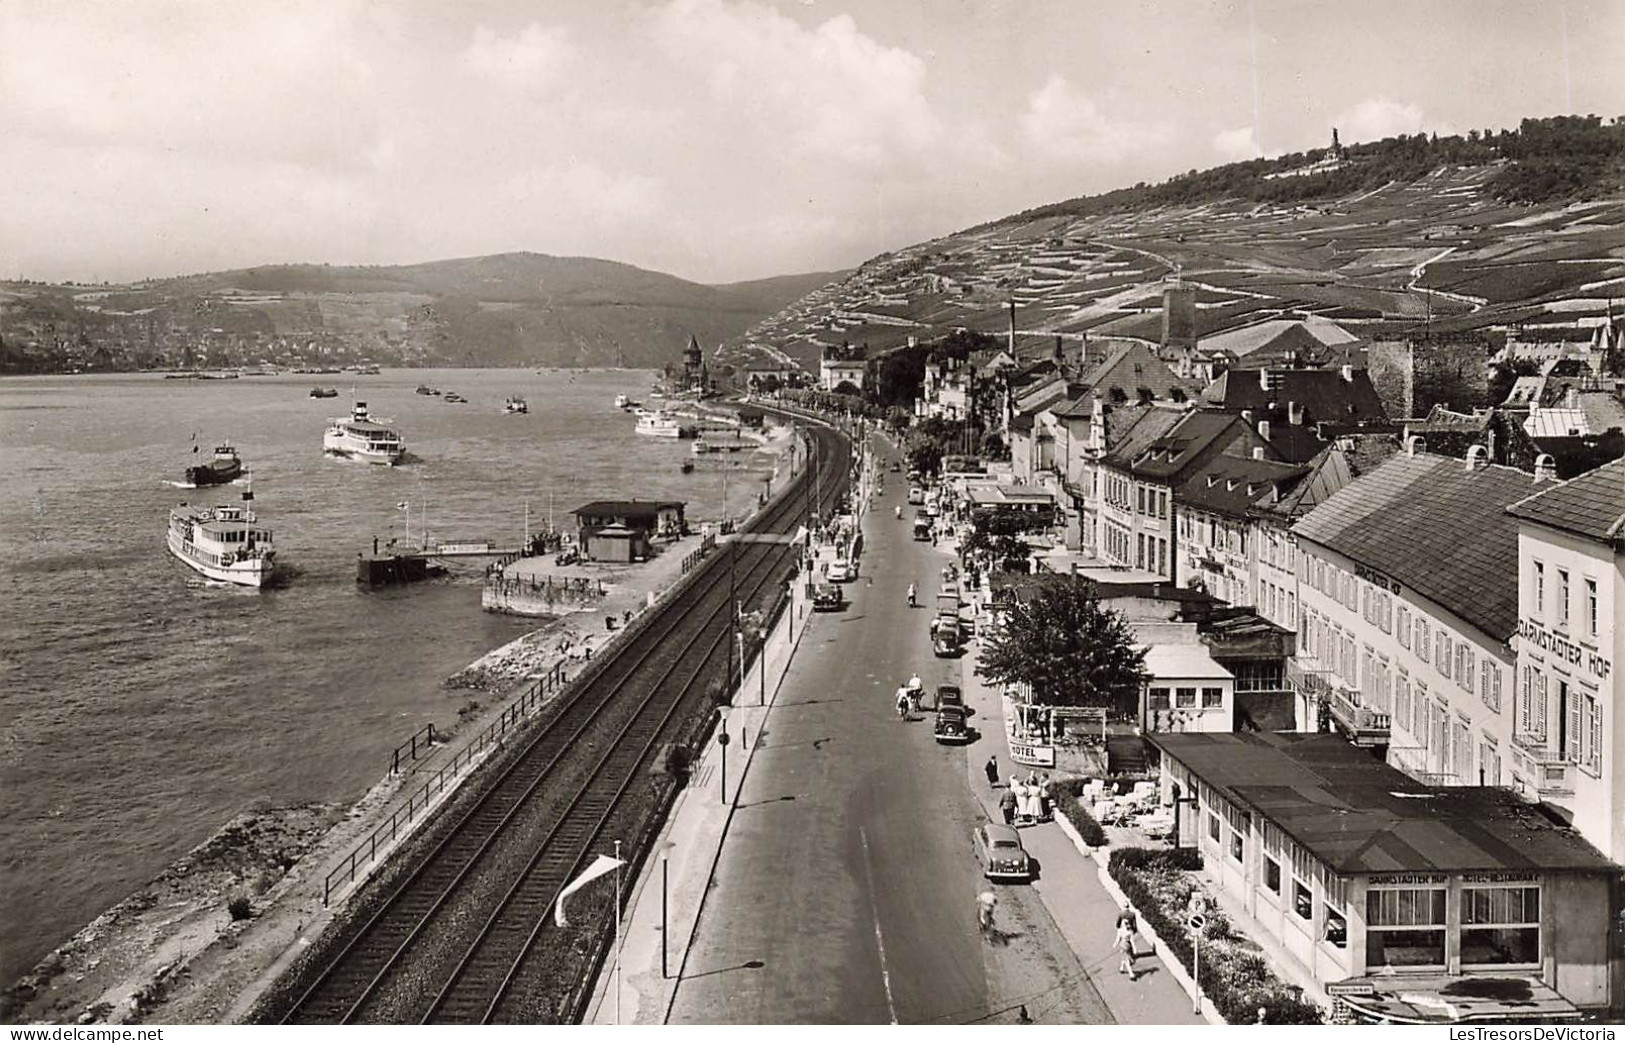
(1377, 578)
(1499, 878)
(1407, 879)
(1028, 753)
(1350, 988)
(1563, 649)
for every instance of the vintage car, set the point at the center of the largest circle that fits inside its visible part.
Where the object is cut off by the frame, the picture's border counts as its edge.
(827, 598)
(895, 467)
(1003, 857)
(949, 695)
(946, 639)
(842, 571)
(922, 528)
(916, 495)
(950, 726)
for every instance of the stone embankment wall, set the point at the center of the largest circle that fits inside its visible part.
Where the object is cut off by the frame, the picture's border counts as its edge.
(519, 596)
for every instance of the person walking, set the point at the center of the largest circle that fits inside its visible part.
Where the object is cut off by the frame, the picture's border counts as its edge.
(992, 769)
(1124, 943)
(1007, 807)
(985, 903)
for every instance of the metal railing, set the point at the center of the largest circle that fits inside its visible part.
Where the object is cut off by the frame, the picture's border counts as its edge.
(366, 852)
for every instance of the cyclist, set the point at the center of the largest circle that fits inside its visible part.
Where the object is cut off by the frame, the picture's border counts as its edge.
(911, 595)
(903, 703)
(898, 510)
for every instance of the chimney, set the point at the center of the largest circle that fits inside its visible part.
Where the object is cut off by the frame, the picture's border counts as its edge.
(1258, 452)
(1264, 379)
(1545, 468)
(1294, 413)
(1348, 373)
(1476, 458)
(1264, 430)
(1415, 445)
(1012, 336)
(1247, 415)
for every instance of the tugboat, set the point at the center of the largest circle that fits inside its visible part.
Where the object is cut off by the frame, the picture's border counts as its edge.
(321, 392)
(223, 543)
(225, 467)
(360, 436)
(515, 404)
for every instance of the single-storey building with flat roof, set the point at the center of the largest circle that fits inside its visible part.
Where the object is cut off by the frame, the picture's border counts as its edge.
(621, 530)
(1408, 902)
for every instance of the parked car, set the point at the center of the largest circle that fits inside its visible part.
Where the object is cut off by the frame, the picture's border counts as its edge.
(950, 695)
(895, 467)
(827, 598)
(1003, 857)
(916, 495)
(945, 639)
(950, 726)
(842, 571)
(922, 528)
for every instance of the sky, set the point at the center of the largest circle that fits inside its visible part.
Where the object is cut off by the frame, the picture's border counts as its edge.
(717, 140)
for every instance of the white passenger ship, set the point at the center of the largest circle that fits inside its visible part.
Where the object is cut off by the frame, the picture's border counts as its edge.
(360, 436)
(223, 543)
(658, 424)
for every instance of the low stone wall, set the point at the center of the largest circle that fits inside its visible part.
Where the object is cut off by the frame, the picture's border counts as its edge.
(518, 596)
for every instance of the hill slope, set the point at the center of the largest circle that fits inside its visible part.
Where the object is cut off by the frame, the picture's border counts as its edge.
(1395, 234)
(508, 309)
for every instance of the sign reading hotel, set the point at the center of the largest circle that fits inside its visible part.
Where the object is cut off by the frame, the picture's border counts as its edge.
(1028, 753)
(1564, 649)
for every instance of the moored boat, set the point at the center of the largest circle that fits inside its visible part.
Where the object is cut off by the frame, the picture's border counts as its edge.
(658, 424)
(424, 389)
(622, 402)
(225, 467)
(224, 543)
(361, 436)
(321, 392)
(515, 404)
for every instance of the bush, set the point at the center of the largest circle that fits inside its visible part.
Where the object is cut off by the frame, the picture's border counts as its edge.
(1238, 982)
(1064, 795)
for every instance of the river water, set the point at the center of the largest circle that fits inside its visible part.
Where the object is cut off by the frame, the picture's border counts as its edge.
(141, 707)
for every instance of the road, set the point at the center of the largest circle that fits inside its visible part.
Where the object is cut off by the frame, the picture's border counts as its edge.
(845, 892)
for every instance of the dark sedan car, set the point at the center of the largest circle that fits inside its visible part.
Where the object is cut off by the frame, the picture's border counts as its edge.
(826, 598)
(950, 726)
(1003, 857)
(949, 695)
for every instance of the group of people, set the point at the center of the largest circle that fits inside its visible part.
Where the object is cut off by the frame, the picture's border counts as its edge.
(908, 697)
(1023, 802)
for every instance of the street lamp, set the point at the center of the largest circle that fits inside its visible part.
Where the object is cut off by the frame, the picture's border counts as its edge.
(722, 741)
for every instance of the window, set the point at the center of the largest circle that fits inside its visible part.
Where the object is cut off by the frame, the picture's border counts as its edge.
(1213, 825)
(1337, 928)
(1212, 698)
(1443, 653)
(1422, 640)
(1489, 765)
(1139, 499)
(1540, 589)
(1464, 666)
(1419, 715)
(1591, 732)
(1402, 700)
(1403, 628)
(1591, 607)
(1303, 901)
(1236, 846)
(1500, 926)
(1272, 875)
(1404, 927)
(1185, 697)
(1562, 597)
(1158, 699)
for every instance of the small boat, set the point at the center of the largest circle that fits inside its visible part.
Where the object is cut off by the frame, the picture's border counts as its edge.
(688, 467)
(223, 543)
(361, 436)
(321, 392)
(622, 402)
(225, 467)
(424, 389)
(700, 447)
(515, 404)
(452, 396)
(658, 424)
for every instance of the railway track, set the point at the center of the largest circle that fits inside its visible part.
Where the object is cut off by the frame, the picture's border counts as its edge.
(450, 940)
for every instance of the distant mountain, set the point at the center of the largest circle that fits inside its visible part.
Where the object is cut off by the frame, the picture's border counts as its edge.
(519, 309)
(1522, 226)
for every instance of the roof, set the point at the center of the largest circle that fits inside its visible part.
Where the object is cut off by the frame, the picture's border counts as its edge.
(1555, 423)
(1187, 443)
(1439, 528)
(1173, 661)
(628, 508)
(1131, 367)
(1359, 816)
(1592, 505)
(1280, 335)
(1146, 428)
(1234, 485)
(1324, 394)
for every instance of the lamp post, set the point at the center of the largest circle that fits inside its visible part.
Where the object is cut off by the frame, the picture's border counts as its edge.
(722, 741)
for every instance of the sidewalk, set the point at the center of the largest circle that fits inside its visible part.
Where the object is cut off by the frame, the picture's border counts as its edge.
(1070, 886)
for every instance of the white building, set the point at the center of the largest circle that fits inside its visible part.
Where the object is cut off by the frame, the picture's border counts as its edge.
(1571, 591)
(1186, 690)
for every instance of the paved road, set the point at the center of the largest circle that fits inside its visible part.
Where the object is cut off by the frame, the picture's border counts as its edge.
(845, 892)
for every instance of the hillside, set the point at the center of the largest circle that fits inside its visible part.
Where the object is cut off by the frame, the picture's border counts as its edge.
(1525, 226)
(504, 310)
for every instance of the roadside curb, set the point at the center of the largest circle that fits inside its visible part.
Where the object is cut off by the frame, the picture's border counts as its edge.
(1165, 954)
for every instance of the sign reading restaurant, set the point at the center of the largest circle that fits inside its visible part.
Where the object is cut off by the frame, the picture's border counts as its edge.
(1564, 649)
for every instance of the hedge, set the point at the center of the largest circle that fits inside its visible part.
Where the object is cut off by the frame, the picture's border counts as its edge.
(1237, 981)
(1064, 796)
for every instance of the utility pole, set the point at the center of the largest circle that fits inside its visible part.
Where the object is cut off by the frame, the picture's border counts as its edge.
(733, 609)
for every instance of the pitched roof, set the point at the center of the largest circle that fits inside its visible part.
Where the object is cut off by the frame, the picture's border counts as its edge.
(1358, 815)
(1311, 336)
(1592, 505)
(1147, 427)
(1187, 443)
(627, 508)
(1437, 527)
(1324, 394)
(1235, 485)
(1134, 366)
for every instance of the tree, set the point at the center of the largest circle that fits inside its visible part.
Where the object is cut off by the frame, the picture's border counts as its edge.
(1070, 650)
(924, 454)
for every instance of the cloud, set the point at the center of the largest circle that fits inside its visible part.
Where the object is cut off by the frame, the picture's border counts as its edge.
(1376, 118)
(1064, 122)
(536, 55)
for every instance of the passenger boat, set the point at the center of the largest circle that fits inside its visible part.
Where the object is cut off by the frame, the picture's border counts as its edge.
(321, 392)
(622, 402)
(515, 404)
(658, 424)
(223, 543)
(225, 467)
(360, 436)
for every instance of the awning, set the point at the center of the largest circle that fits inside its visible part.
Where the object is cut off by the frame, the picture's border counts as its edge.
(1446, 1000)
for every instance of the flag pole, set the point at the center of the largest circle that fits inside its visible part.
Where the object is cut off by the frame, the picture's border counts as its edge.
(617, 932)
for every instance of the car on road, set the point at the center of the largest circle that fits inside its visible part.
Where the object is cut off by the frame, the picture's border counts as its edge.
(827, 598)
(922, 528)
(950, 726)
(916, 494)
(946, 640)
(1003, 857)
(950, 695)
(895, 467)
(842, 571)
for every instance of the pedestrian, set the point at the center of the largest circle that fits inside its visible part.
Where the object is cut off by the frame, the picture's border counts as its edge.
(985, 903)
(1007, 807)
(992, 769)
(1124, 944)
